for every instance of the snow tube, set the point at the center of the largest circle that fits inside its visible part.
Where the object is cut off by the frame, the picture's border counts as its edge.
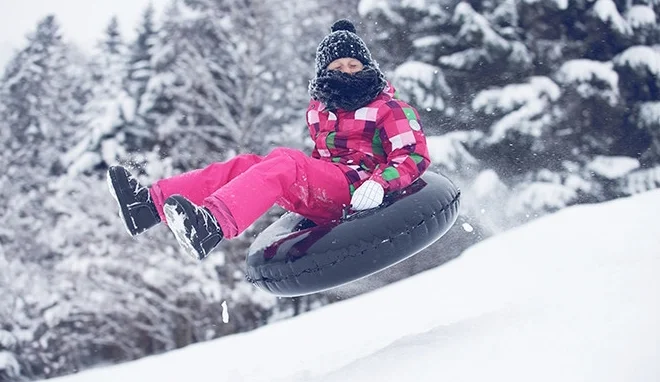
(295, 257)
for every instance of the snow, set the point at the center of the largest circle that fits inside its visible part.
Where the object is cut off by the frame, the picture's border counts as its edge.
(641, 58)
(427, 41)
(528, 120)
(584, 70)
(586, 74)
(486, 184)
(418, 5)
(559, 4)
(511, 97)
(520, 55)
(572, 296)
(424, 73)
(649, 114)
(225, 312)
(640, 16)
(9, 365)
(7, 340)
(642, 180)
(465, 59)
(175, 221)
(449, 151)
(613, 167)
(366, 7)
(476, 26)
(541, 196)
(423, 83)
(606, 11)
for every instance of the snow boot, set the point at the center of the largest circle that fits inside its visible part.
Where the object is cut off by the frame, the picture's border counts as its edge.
(136, 208)
(194, 227)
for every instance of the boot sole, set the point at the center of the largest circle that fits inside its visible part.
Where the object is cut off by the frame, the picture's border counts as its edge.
(175, 215)
(121, 183)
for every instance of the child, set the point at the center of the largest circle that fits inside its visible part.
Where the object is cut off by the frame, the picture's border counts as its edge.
(367, 143)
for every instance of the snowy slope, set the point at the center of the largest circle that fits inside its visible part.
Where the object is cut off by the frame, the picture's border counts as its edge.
(569, 297)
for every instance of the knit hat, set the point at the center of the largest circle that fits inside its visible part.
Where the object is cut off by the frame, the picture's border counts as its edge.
(341, 42)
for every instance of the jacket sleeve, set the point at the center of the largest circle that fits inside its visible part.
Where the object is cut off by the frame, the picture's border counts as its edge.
(404, 145)
(315, 153)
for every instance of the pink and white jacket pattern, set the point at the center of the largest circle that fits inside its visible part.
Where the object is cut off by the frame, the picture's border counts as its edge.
(383, 141)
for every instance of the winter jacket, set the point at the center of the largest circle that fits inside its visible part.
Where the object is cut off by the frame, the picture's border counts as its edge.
(382, 141)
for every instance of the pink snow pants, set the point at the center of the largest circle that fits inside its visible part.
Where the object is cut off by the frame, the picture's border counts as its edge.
(243, 188)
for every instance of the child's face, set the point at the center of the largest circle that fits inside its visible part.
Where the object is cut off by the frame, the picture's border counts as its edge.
(347, 65)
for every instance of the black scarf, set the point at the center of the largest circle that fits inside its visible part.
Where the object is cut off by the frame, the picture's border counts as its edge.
(338, 90)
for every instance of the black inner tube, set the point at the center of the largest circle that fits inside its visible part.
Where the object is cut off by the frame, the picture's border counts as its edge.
(294, 257)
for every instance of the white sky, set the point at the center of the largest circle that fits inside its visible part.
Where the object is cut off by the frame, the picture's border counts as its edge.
(82, 21)
(573, 296)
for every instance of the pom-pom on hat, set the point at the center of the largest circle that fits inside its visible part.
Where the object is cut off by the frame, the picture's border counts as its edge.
(341, 42)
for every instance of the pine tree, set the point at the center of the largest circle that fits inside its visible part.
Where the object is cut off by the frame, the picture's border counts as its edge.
(139, 65)
(406, 39)
(111, 108)
(139, 134)
(120, 299)
(10, 368)
(40, 96)
(557, 88)
(218, 90)
(41, 93)
(588, 124)
(114, 43)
